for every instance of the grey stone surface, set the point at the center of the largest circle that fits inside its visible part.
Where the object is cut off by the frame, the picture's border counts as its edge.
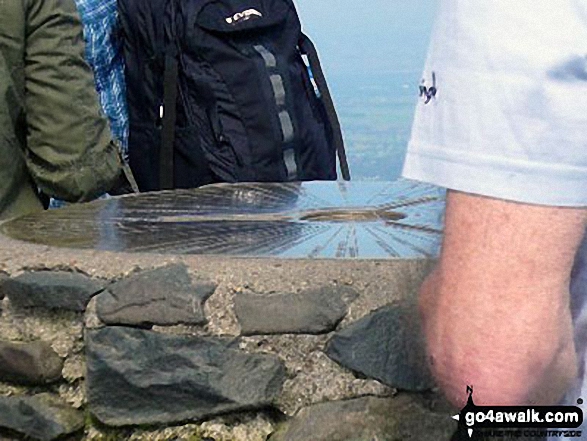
(378, 282)
(162, 296)
(29, 363)
(3, 278)
(143, 377)
(386, 345)
(52, 290)
(248, 426)
(312, 377)
(311, 311)
(42, 417)
(402, 418)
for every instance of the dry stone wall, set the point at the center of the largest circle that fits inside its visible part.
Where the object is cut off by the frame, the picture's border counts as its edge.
(173, 353)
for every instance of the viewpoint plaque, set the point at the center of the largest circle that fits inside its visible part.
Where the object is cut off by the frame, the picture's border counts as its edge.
(293, 220)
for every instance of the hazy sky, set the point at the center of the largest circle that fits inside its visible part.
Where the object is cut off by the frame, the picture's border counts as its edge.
(372, 36)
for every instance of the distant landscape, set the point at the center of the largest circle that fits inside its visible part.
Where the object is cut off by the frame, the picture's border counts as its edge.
(373, 56)
(376, 114)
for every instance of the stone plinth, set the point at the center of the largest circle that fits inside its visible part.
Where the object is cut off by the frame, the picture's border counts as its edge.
(211, 365)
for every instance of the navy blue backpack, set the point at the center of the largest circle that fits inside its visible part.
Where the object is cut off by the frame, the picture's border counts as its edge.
(225, 91)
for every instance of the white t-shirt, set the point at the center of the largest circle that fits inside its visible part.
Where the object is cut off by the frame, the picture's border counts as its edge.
(509, 117)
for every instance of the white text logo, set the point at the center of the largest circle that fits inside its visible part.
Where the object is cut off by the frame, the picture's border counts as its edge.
(245, 15)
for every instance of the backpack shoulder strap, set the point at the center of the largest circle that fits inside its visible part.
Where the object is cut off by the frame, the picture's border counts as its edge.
(170, 84)
(308, 48)
(169, 117)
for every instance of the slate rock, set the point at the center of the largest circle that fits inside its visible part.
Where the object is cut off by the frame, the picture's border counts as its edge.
(43, 417)
(3, 278)
(29, 363)
(52, 290)
(401, 418)
(136, 376)
(163, 296)
(386, 345)
(308, 312)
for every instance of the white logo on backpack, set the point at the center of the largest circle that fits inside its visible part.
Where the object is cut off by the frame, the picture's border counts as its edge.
(245, 15)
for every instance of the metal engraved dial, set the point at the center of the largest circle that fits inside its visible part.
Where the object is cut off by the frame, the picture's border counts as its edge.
(292, 220)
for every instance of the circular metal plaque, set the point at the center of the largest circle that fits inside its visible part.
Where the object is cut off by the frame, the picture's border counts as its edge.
(298, 220)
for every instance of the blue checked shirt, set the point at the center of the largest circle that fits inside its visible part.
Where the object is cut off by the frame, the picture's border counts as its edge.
(104, 55)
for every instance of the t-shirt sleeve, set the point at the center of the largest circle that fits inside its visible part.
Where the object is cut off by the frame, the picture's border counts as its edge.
(509, 118)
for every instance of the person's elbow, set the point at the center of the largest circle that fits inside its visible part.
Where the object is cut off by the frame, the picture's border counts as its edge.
(539, 379)
(504, 363)
(80, 179)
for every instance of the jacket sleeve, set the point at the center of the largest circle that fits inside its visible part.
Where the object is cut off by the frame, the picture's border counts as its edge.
(70, 154)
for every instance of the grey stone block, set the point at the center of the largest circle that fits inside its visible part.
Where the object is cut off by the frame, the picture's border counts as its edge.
(43, 417)
(29, 363)
(136, 376)
(367, 419)
(3, 278)
(52, 290)
(163, 296)
(386, 345)
(309, 312)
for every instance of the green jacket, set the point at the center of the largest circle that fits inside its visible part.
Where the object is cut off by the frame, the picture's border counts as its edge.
(53, 135)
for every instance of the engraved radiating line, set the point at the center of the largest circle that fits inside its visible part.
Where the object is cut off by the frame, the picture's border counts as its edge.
(376, 195)
(350, 241)
(318, 201)
(414, 227)
(433, 212)
(301, 240)
(397, 238)
(269, 241)
(264, 238)
(223, 217)
(167, 246)
(354, 249)
(343, 245)
(319, 248)
(417, 235)
(387, 247)
(255, 249)
(135, 229)
(225, 247)
(344, 192)
(246, 195)
(428, 245)
(406, 191)
(409, 203)
(214, 207)
(427, 220)
(221, 246)
(185, 236)
(281, 196)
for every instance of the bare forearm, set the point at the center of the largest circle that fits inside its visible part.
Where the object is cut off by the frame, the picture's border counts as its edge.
(496, 310)
(507, 360)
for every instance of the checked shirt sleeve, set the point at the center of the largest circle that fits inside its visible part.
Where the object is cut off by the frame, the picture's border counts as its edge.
(104, 55)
